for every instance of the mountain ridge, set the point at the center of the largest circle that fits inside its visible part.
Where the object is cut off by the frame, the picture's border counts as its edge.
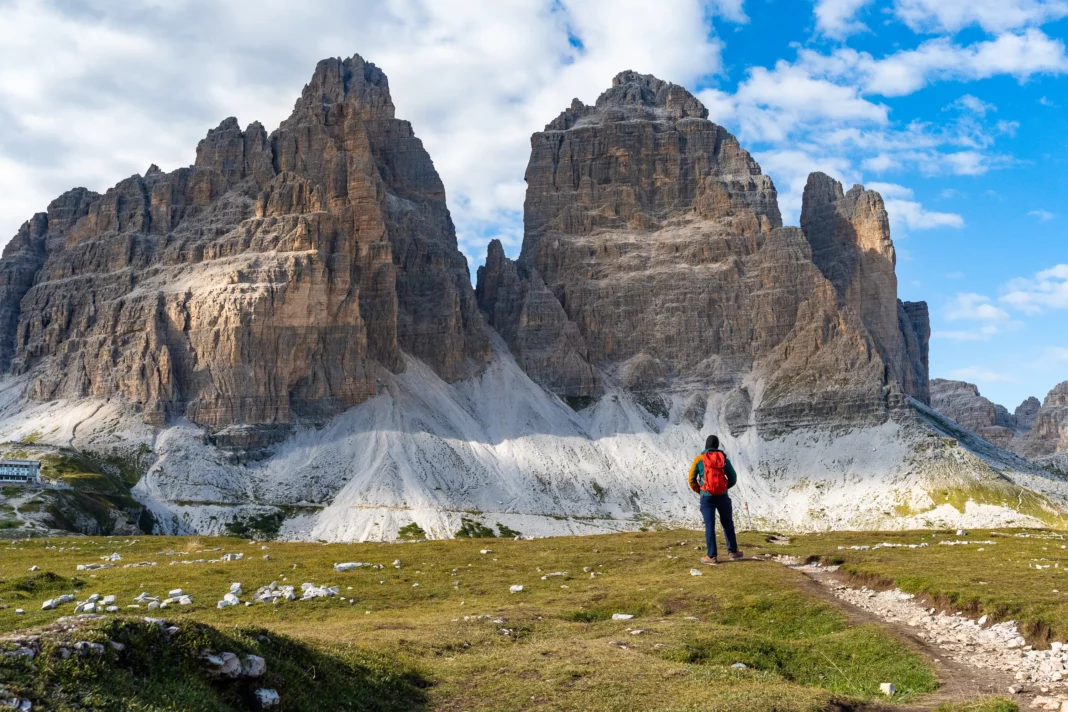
(289, 331)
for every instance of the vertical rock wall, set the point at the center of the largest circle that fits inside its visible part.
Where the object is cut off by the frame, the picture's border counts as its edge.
(262, 285)
(654, 255)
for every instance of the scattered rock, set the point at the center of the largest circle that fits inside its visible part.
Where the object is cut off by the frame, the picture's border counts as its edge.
(622, 616)
(888, 688)
(516, 589)
(696, 572)
(253, 666)
(266, 698)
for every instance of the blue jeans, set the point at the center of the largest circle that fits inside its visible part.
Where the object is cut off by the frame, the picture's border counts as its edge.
(710, 504)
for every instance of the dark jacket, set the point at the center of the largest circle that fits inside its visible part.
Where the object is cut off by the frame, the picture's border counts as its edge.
(697, 473)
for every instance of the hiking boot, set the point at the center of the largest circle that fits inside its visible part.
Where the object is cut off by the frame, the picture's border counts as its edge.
(735, 555)
(709, 560)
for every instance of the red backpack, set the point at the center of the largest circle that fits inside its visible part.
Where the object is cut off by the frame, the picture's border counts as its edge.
(715, 479)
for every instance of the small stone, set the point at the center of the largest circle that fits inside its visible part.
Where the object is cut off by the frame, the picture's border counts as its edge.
(235, 588)
(19, 611)
(622, 616)
(267, 698)
(35, 568)
(485, 551)
(983, 620)
(888, 688)
(253, 666)
(739, 666)
(696, 572)
(516, 589)
(173, 593)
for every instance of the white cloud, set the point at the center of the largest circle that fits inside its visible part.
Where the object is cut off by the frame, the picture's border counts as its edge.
(1021, 55)
(1046, 290)
(978, 374)
(914, 216)
(976, 307)
(1042, 215)
(93, 92)
(908, 214)
(837, 18)
(991, 15)
(731, 10)
(973, 104)
(988, 319)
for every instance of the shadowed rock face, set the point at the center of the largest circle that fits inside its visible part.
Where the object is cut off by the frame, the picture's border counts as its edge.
(1049, 433)
(1025, 414)
(850, 237)
(261, 285)
(654, 255)
(960, 401)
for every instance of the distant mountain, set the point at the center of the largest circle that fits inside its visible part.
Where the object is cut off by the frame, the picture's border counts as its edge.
(286, 335)
(1036, 430)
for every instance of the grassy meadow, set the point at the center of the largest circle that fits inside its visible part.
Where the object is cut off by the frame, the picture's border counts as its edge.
(444, 632)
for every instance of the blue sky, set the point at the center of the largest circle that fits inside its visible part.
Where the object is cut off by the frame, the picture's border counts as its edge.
(953, 109)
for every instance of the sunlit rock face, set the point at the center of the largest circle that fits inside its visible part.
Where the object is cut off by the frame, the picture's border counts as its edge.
(654, 256)
(262, 285)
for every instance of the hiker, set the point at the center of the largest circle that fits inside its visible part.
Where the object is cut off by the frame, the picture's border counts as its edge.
(711, 475)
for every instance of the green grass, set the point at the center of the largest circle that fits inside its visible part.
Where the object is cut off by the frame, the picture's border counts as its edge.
(40, 584)
(556, 649)
(157, 672)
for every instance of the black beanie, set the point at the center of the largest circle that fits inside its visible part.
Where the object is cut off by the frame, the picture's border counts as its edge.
(712, 442)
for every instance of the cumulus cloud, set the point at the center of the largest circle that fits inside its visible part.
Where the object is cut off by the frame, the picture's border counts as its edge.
(93, 92)
(1021, 54)
(985, 318)
(837, 18)
(973, 104)
(1042, 215)
(991, 15)
(914, 216)
(1048, 289)
(976, 307)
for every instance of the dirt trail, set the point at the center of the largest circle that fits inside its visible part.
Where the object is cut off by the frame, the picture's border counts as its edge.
(959, 682)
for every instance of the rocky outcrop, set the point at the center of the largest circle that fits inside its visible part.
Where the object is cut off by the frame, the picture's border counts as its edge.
(261, 286)
(1025, 414)
(850, 237)
(961, 402)
(654, 256)
(1048, 435)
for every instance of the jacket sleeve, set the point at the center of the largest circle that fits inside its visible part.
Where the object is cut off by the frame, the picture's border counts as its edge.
(732, 476)
(695, 469)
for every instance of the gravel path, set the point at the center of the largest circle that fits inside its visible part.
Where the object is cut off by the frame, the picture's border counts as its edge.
(971, 657)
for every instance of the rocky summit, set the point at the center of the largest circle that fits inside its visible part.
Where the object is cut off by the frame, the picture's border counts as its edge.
(262, 285)
(283, 339)
(654, 257)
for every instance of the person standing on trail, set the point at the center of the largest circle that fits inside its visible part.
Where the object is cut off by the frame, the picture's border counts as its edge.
(711, 475)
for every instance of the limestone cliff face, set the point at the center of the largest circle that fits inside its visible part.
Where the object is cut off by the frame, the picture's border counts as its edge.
(961, 402)
(850, 237)
(654, 255)
(1026, 413)
(260, 286)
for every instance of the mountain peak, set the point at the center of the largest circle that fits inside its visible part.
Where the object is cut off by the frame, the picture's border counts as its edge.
(348, 81)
